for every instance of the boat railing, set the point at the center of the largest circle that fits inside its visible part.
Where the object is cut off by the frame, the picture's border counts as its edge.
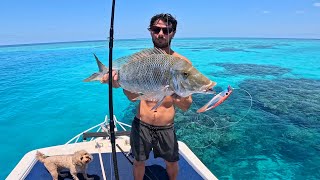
(99, 127)
(121, 124)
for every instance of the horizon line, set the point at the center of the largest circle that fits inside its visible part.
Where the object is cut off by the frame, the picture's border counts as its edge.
(124, 39)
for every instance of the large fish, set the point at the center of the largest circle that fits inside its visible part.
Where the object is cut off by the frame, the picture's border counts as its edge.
(154, 75)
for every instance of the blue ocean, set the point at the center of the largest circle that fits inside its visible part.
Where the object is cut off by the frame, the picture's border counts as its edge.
(269, 128)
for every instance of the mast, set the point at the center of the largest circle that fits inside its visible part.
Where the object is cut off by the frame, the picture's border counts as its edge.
(112, 138)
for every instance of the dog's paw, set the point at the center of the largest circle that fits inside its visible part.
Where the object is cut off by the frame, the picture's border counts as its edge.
(63, 175)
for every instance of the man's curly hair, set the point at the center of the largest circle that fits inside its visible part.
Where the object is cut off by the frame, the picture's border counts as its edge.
(166, 17)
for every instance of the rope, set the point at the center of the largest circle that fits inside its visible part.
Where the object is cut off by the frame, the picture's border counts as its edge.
(101, 162)
(111, 166)
(245, 113)
(215, 124)
(251, 100)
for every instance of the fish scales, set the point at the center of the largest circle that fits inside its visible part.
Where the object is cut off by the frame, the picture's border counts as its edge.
(154, 74)
(150, 74)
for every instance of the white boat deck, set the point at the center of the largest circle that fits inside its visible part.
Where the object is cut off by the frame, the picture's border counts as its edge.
(102, 146)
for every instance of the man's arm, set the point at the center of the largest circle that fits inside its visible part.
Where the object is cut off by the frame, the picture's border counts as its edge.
(183, 103)
(131, 96)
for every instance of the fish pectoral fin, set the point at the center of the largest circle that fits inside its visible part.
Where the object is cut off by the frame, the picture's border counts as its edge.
(165, 91)
(155, 96)
(149, 97)
(158, 104)
(141, 96)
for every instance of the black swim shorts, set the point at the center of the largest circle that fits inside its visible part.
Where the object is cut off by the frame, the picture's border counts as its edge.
(162, 139)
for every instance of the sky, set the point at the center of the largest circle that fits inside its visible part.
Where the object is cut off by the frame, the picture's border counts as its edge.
(44, 21)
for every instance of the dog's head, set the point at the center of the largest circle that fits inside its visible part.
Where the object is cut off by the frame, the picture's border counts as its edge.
(81, 158)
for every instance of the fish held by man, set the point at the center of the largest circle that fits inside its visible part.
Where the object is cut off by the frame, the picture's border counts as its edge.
(153, 75)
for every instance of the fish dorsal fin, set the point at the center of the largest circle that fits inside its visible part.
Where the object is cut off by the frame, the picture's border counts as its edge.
(136, 56)
(100, 65)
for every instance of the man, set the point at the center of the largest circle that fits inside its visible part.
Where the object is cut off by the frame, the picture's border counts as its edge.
(154, 128)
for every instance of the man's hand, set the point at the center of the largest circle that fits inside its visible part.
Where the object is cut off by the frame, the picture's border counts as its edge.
(183, 103)
(115, 83)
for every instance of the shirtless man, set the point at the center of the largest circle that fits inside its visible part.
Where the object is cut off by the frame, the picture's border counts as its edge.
(154, 129)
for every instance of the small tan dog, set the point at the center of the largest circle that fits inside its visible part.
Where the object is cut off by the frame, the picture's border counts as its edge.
(76, 163)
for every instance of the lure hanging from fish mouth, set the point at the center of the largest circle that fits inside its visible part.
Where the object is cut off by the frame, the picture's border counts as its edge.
(216, 100)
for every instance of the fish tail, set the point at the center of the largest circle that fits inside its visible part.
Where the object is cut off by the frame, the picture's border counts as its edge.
(98, 75)
(40, 156)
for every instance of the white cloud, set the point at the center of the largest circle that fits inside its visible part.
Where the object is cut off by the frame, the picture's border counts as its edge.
(265, 12)
(316, 4)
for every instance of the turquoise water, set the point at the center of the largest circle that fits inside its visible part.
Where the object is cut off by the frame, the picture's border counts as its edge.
(44, 102)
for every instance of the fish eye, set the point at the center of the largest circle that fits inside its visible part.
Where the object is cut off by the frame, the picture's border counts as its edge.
(185, 74)
(226, 93)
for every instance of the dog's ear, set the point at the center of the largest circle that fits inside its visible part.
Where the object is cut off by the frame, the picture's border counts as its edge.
(77, 158)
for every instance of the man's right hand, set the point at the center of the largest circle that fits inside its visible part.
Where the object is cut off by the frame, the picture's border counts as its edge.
(115, 83)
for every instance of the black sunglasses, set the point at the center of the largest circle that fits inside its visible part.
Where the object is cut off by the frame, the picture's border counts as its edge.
(156, 30)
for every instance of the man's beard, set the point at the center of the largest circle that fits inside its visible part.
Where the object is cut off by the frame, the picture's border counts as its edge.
(161, 45)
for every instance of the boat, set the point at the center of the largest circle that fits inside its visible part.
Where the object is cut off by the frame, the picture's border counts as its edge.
(96, 141)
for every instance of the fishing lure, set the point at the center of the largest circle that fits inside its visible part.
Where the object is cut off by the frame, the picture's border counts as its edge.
(216, 100)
